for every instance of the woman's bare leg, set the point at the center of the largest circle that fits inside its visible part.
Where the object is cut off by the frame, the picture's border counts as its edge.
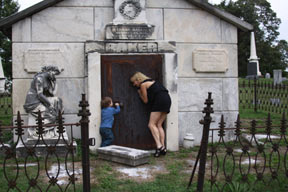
(154, 118)
(160, 128)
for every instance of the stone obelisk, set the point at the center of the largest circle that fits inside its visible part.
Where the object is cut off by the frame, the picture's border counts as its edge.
(253, 65)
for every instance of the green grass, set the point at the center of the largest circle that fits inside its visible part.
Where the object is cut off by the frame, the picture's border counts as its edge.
(172, 181)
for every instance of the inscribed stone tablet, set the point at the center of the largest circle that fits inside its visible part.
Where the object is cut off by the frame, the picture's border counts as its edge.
(210, 60)
(35, 59)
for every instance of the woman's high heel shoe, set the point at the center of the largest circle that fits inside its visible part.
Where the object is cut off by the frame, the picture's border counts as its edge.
(157, 152)
(163, 150)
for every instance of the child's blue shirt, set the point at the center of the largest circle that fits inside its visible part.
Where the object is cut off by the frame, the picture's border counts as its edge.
(107, 116)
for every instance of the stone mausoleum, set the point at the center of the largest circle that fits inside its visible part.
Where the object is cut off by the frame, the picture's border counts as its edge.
(188, 45)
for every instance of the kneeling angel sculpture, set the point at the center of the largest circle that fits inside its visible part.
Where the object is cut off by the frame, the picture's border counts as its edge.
(41, 97)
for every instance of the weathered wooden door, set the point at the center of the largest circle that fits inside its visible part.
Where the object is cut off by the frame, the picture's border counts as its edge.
(131, 125)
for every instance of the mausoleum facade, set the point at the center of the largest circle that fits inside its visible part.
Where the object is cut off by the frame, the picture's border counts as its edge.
(188, 45)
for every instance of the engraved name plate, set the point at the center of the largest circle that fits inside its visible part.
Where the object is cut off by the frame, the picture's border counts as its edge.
(210, 60)
(139, 47)
(34, 59)
(135, 32)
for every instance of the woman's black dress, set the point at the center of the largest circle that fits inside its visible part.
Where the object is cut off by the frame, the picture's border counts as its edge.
(158, 97)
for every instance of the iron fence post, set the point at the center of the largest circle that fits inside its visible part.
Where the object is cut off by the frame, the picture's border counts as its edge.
(204, 142)
(84, 122)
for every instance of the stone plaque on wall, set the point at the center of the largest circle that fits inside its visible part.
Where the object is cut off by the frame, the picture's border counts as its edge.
(210, 60)
(130, 32)
(130, 22)
(129, 11)
(35, 59)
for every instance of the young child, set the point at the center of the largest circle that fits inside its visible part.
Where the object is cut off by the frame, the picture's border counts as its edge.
(107, 119)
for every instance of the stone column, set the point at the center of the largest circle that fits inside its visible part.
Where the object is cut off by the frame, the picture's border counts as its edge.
(94, 96)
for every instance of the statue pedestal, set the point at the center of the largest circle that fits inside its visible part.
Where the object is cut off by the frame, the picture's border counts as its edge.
(50, 143)
(41, 149)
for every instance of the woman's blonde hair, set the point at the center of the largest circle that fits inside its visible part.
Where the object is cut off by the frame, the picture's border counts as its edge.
(139, 77)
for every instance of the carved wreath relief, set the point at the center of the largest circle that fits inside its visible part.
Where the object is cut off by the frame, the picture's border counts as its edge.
(130, 9)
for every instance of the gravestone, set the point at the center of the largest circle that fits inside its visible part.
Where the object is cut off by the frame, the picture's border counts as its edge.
(267, 76)
(252, 70)
(253, 65)
(124, 155)
(277, 76)
(3, 149)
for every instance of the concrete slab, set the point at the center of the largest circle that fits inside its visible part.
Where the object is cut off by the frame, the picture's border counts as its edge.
(124, 155)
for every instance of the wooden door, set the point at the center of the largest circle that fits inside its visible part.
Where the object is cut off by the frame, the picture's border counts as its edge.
(131, 125)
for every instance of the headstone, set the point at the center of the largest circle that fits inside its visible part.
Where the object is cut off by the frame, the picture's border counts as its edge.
(252, 70)
(277, 76)
(267, 76)
(124, 155)
(275, 101)
(3, 149)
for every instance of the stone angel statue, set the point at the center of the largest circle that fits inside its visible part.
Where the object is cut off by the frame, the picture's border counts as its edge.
(41, 97)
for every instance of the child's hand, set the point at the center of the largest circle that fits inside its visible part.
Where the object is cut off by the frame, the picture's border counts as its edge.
(118, 103)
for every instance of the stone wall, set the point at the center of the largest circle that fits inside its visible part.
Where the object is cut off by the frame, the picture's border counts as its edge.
(59, 34)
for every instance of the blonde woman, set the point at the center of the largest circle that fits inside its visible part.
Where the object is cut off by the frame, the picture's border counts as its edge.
(156, 95)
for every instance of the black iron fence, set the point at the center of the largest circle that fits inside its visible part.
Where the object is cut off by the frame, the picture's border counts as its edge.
(261, 94)
(43, 164)
(6, 112)
(256, 157)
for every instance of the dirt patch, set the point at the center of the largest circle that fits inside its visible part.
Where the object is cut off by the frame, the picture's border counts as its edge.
(143, 173)
(61, 173)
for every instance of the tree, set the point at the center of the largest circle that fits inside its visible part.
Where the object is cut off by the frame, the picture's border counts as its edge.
(7, 8)
(266, 24)
(282, 46)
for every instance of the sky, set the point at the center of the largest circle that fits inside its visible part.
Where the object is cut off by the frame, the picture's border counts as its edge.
(278, 6)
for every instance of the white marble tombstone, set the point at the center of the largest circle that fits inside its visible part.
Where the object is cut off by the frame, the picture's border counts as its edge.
(277, 76)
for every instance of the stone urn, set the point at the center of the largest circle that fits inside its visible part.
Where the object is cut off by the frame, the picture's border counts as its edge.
(188, 141)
